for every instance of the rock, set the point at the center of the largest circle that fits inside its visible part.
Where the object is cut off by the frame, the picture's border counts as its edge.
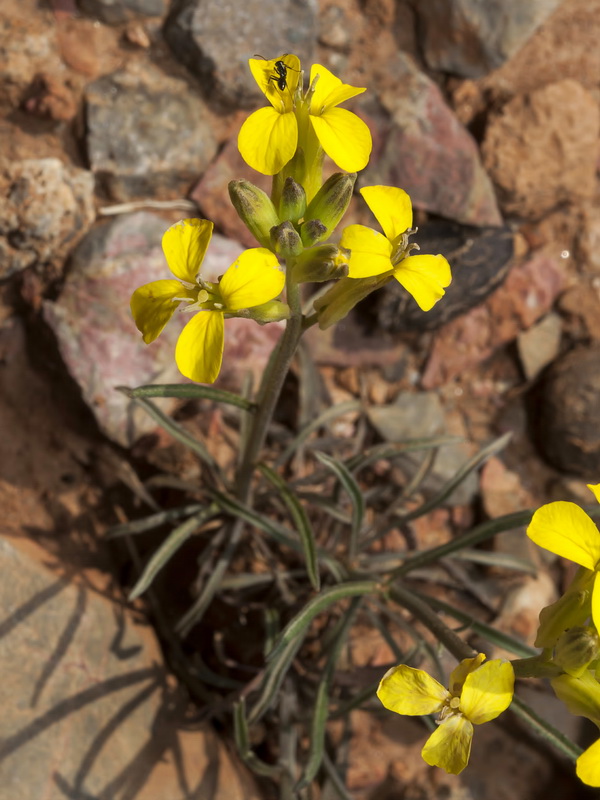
(502, 490)
(25, 50)
(415, 415)
(588, 243)
(428, 152)
(569, 415)
(212, 39)
(114, 12)
(98, 340)
(212, 196)
(148, 134)
(542, 149)
(50, 98)
(528, 293)
(539, 345)
(471, 38)
(45, 207)
(480, 259)
(87, 707)
(521, 607)
(581, 306)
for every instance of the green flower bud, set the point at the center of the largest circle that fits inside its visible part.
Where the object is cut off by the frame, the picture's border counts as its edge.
(273, 311)
(292, 205)
(570, 610)
(255, 209)
(580, 695)
(324, 263)
(576, 649)
(285, 240)
(328, 206)
(343, 296)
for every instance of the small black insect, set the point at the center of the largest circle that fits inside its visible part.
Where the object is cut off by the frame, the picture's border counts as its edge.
(281, 70)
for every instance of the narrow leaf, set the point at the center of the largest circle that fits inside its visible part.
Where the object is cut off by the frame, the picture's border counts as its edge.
(331, 413)
(545, 731)
(189, 391)
(153, 521)
(301, 522)
(390, 451)
(276, 672)
(347, 480)
(242, 740)
(169, 547)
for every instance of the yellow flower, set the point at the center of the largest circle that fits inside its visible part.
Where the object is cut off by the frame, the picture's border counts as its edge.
(254, 278)
(270, 136)
(478, 693)
(565, 529)
(588, 765)
(372, 253)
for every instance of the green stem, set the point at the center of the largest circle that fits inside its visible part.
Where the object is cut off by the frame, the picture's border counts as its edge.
(270, 388)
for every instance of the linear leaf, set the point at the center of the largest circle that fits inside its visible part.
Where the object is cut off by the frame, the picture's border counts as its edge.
(153, 521)
(242, 740)
(347, 480)
(189, 391)
(169, 547)
(544, 730)
(301, 522)
(276, 672)
(331, 413)
(389, 451)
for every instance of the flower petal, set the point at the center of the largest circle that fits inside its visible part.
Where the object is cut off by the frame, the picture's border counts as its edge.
(580, 695)
(411, 691)
(154, 304)
(267, 78)
(595, 488)
(370, 251)
(596, 601)
(345, 138)
(565, 529)
(199, 350)
(449, 747)
(254, 278)
(391, 207)
(267, 140)
(460, 672)
(325, 85)
(425, 278)
(588, 765)
(488, 691)
(184, 245)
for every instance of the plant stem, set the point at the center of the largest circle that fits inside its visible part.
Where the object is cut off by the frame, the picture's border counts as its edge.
(270, 389)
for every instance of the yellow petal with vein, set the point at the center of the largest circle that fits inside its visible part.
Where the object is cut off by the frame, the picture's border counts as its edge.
(449, 746)
(254, 278)
(199, 350)
(154, 304)
(391, 207)
(425, 278)
(267, 77)
(345, 138)
(184, 245)
(565, 529)
(487, 691)
(370, 251)
(461, 670)
(588, 765)
(267, 140)
(406, 690)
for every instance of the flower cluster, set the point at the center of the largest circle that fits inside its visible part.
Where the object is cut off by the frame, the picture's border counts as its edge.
(568, 629)
(289, 139)
(478, 693)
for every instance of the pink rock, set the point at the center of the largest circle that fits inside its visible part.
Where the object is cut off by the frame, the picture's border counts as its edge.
(528, 293)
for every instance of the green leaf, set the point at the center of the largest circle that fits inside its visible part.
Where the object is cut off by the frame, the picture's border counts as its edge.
(389, 451)
(331, 413)
(153, 521)
(242, 740)
(545, 731)
(345, 477)
(301, 522)
(169, 547)
(189, 391)
(274, 675)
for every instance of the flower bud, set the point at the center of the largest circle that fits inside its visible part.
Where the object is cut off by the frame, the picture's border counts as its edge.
(576, 649)
(343, 296)
(328, 206)
(572, 609)
(255, 209)
(324, 263)
(292, 204)
(580, 695)
(285, 240)
(273, 311)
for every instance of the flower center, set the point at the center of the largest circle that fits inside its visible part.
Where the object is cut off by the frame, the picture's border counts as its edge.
(401, 246)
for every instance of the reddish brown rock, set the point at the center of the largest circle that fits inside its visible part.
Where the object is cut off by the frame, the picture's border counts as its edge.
(528, 293)
(542, 149)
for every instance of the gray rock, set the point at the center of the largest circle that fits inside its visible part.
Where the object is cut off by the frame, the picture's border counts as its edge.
(426, 151)
(114, 12)
(415, 415)
(148, 134)
(471, 38)
(539, 345)
(88, 710)
(45, 207)
(212, 38)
